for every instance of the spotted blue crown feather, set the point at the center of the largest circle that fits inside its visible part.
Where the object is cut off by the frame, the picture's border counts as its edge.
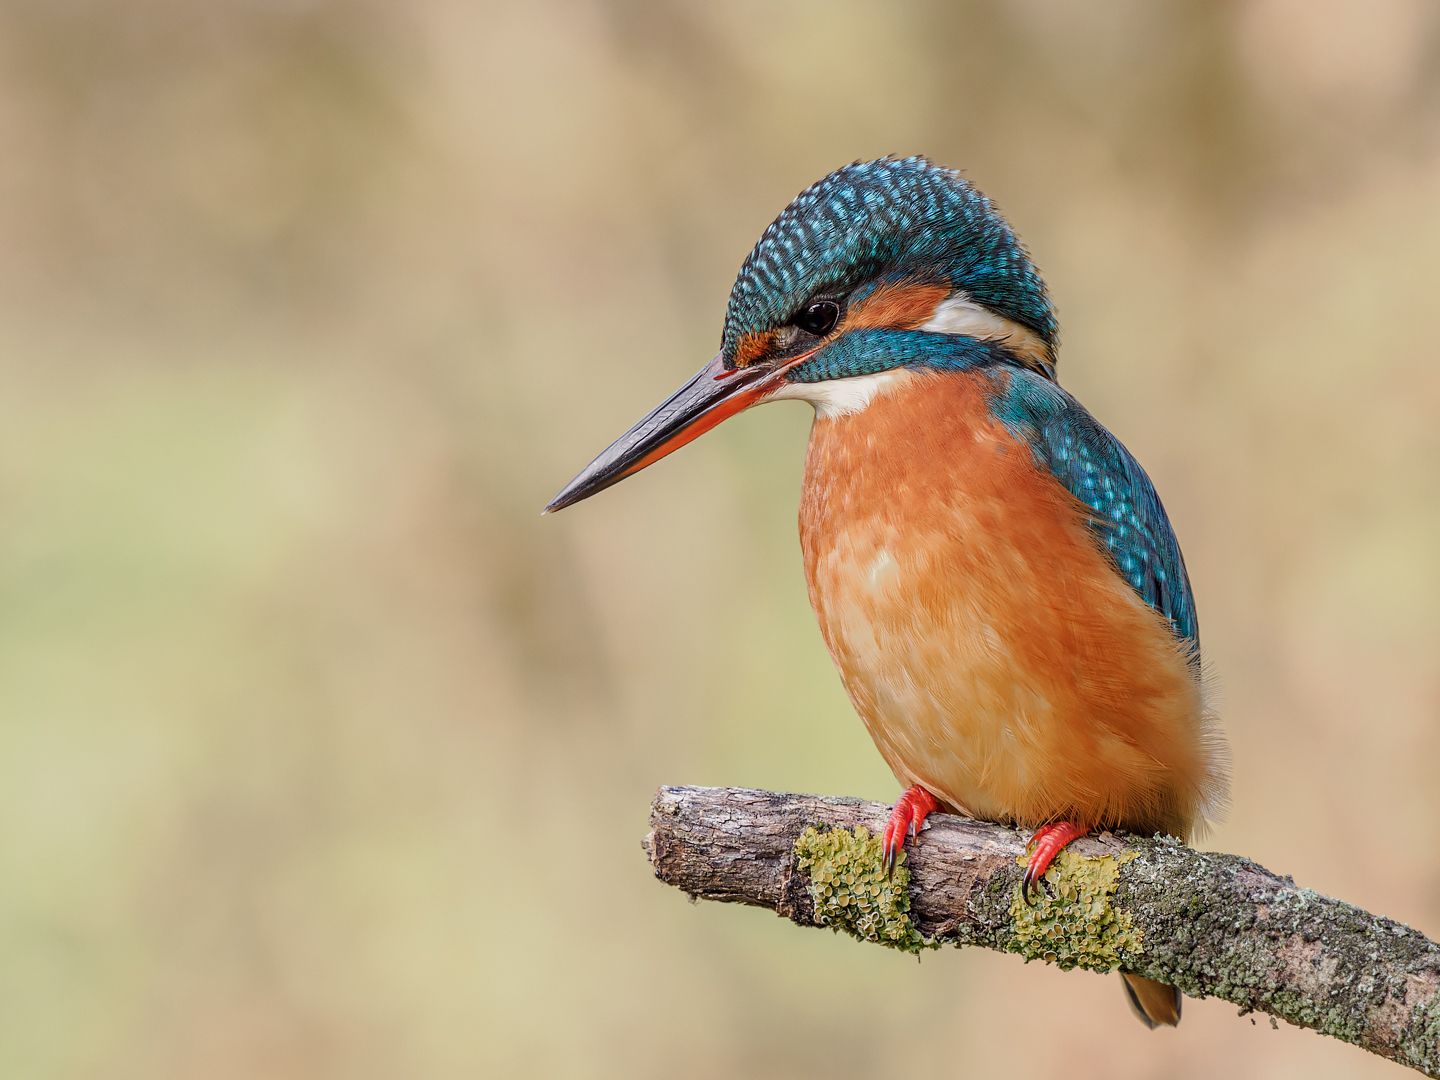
(893, 218)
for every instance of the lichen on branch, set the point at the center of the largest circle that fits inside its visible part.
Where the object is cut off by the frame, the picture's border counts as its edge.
(851, 891)
(1080, 926)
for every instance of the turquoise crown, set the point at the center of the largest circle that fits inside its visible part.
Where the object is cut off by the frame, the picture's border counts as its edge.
(889, 218)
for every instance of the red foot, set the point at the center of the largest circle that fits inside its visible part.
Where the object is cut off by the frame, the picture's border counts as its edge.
(907, 817)
(1048, 841)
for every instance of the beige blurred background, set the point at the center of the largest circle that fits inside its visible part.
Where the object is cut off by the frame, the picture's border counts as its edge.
(323, 755)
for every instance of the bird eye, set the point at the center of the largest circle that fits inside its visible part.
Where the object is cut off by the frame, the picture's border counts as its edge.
(818, 318)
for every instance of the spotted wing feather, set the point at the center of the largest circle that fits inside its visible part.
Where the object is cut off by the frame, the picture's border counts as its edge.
(1125, 516)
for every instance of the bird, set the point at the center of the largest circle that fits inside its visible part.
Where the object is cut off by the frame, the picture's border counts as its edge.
(993, 572)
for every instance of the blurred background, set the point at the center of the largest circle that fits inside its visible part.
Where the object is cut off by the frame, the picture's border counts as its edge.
(323, 755)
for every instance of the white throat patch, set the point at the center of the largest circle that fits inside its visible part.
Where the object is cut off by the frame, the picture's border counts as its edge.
(840, 397)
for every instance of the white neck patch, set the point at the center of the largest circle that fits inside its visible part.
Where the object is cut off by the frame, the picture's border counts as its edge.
(961, 315)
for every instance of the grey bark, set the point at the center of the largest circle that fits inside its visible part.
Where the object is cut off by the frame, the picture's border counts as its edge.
(1213, 925)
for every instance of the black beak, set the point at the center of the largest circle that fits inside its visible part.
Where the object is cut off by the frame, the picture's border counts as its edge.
(712, 394)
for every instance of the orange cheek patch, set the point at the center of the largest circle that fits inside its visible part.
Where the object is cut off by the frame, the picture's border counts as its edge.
(904, 306)
(753, 347)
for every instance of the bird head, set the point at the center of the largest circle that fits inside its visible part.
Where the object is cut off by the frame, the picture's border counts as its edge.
(881, 265)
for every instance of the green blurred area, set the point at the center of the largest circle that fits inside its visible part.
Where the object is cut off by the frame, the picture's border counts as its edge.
(323, 755)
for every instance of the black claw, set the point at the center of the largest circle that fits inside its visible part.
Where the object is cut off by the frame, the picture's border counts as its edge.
(1036, 883)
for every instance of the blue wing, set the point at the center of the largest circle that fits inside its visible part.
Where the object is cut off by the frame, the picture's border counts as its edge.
(1126, 518)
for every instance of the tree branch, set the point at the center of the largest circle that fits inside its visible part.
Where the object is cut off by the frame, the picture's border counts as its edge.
(1213, 925)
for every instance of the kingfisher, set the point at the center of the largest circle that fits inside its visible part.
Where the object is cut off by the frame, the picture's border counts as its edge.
(994, 574)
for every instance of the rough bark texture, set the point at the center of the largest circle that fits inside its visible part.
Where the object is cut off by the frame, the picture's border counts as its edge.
(1210, 924)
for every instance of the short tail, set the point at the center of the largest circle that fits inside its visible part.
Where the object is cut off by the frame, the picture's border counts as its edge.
(1154, 1003)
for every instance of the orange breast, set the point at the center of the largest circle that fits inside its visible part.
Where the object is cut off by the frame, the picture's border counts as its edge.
(994, 654)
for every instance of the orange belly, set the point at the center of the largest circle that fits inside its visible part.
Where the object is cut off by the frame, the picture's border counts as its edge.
(996, 657)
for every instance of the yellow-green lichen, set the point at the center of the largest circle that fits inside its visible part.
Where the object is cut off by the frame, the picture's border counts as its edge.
(851, 891)
(1079, 927)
